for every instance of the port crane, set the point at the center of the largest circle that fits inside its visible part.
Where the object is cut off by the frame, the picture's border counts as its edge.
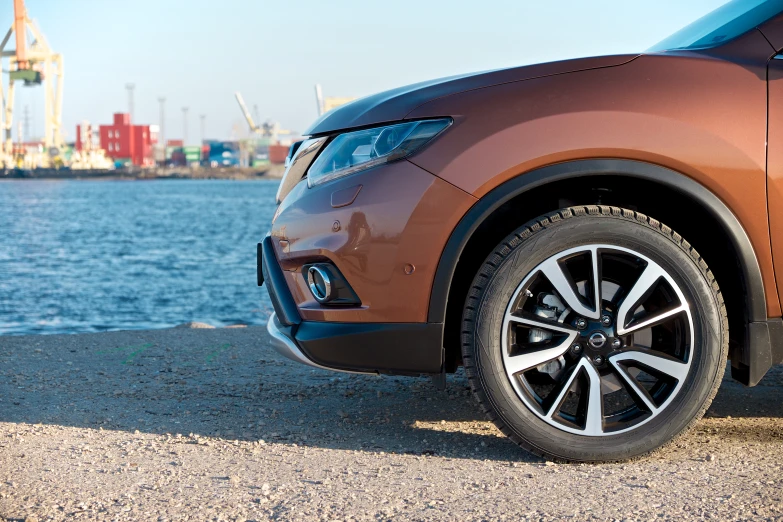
(268, 129)
(34, 63)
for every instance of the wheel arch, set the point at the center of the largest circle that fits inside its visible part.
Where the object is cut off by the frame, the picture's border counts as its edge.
(752, 353)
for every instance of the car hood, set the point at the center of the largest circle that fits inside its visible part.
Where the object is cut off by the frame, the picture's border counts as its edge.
(395, 104)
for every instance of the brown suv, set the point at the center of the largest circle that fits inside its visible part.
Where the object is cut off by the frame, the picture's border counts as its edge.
(591, 239)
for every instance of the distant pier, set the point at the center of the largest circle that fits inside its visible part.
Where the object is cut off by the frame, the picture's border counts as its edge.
(271, 171)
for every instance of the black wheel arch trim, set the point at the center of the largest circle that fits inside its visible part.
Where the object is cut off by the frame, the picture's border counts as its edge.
(758, 350)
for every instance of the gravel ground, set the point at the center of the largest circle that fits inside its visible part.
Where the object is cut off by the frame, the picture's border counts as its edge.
(210, 424)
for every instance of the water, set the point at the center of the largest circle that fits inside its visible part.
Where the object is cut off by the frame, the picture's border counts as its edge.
(86, 256)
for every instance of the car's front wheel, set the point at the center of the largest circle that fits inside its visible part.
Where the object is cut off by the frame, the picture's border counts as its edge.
(594, 333)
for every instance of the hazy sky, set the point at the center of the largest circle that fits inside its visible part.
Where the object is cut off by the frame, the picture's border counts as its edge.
(196, 53)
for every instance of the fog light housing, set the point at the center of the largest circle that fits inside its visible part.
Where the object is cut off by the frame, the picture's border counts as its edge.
(328, 285)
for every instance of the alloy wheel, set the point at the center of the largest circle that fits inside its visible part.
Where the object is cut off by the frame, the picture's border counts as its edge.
(597, 340)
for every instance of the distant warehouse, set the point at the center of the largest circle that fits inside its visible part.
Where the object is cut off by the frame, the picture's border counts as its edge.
(125, 143)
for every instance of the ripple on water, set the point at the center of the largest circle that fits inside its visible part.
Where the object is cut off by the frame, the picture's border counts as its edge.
(86, 256)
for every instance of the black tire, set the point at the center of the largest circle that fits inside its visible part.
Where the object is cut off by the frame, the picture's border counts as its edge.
(522, 251)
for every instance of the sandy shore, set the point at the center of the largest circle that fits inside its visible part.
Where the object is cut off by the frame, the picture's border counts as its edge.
(210, 424)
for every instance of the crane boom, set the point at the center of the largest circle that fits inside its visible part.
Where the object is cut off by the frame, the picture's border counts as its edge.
(268, 129)
(253, 126)
(34, 63)
(20, 31)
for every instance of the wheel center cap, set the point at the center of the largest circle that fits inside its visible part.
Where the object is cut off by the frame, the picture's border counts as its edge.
(597, 340)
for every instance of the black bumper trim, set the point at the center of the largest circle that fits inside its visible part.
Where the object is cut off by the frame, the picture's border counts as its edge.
(279, 294)
(395, 348)
(259, 264)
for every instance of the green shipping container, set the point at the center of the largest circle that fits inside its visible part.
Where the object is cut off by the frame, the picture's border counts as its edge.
(192, 154)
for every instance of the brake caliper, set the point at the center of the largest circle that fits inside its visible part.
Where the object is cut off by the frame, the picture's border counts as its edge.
(549, 307)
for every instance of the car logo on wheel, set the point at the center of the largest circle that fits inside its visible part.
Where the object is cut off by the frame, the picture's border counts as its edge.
(597, 340)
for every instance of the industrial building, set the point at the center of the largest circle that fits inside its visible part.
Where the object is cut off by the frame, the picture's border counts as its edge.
(125, 143)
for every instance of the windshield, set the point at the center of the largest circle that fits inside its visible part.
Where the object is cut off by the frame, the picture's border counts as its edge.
(721, 25)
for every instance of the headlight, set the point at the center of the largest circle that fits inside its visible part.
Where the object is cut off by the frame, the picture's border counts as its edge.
(356, 151)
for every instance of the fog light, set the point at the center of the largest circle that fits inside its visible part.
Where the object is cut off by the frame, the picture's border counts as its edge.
(328, 285)
(320, 283)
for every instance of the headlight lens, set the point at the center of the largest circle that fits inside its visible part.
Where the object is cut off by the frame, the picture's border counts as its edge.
(356, 151)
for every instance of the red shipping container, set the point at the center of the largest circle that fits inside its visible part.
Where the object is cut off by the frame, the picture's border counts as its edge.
(278, 153)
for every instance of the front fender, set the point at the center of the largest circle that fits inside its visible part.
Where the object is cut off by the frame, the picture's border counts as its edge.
(697, 115)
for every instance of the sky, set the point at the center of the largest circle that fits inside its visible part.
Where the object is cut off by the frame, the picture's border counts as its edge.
(197, 53)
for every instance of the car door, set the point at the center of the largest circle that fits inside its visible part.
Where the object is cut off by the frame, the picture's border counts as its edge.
(773, 32)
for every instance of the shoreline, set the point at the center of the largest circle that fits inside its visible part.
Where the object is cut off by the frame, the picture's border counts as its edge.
(188, 325)
(233, 173)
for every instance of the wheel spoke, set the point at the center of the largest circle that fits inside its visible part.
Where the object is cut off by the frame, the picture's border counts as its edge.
(661, 363)
(564, 389)
(639, 393)
(651, 321)
(537, 321)
(594, 416)
(646, 283)
(525, 361)
(594, 419)
(553, 271)
(597, 278)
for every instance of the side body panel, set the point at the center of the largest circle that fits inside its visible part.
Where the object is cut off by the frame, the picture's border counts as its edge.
(702, 116)
(775, 163)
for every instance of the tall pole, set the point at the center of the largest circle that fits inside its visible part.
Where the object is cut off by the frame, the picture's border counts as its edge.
(49, 125)
(203, 127)
(130, 87)
(161, 136)
(184, 125)
(8, 121)
(319, 99)
(26, 135)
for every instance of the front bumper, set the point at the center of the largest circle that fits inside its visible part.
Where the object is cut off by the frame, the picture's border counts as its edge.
(286, 345)
(383, 229)
(391, 348)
